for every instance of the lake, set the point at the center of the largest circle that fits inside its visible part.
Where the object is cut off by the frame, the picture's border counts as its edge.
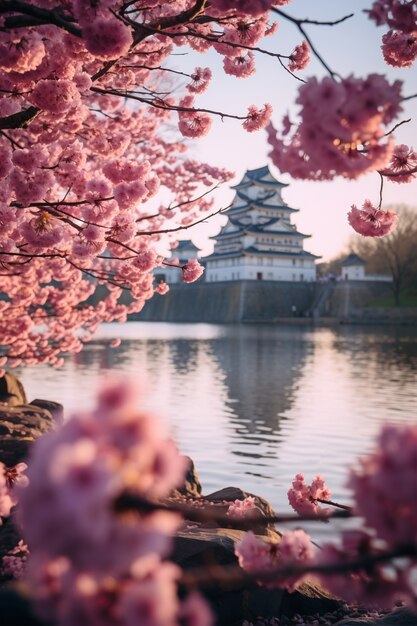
(254, 404)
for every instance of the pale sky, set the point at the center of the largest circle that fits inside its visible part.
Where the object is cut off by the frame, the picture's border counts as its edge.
(349, 48)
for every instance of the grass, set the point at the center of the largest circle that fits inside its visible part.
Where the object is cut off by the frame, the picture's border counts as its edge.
(408, 298)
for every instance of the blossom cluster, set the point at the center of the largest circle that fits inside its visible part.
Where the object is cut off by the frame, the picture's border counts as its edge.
(371, 221)
(14, 562)
(9, 478)
(89, 562)
(303, 498)
(262, 559)
(239, 509)
(342, 128)
(399, 44)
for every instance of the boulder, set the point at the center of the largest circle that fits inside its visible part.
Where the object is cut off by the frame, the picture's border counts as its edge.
(191, 486)
(203, 546)
(19, 426)
(55, 409)
(11, 390)
(263, 508)
(199, 548)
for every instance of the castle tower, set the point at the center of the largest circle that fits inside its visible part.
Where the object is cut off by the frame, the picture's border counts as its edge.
(259, 242)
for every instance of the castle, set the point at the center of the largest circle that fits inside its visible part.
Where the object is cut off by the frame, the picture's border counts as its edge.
(259, 242)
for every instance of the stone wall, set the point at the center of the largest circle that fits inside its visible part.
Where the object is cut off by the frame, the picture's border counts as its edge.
(269, 301)
(351, 295)
(230, 301)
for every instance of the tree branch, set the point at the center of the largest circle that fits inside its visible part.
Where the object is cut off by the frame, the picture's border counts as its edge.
(20, 119)
(39, 16)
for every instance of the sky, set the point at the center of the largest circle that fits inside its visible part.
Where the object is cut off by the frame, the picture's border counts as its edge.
(352, 47)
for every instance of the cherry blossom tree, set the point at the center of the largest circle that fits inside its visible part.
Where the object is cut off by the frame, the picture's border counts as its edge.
(95, 180)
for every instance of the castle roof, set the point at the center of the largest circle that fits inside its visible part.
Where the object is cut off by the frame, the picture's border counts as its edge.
(254, 251)
(261, 176)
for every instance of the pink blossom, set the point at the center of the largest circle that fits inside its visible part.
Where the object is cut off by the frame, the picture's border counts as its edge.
(44, 231)
(300, 57)
(371, 221)
(350, 139)
(145, 261)
(152, 599)
(191, 271)
(256, 556)
(403, 165)
(242, 65)
(162, 288)
(6, 163)
(93, 233)
(21, 53)
(107, 38)
(385, 485)
(257, 118)
(128, 194)
(56, 96)
(200, 80)
(242, 508)
(303, 498)
(399, 49)
(82, 468)
(267, 559)
(13, 563)
(6, 498)
(295, 548)
(193, 123)
(195, 611)
(115, 343)
(247, 7)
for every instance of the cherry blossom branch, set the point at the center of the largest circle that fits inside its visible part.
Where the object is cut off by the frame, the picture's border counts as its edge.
(95, 274)
(129, 501)
(344, 507)
(299, 24)
(390, 174)
(397, 126)
(414, 95)
(142, 32)
(232, 574)
(179, 205)
(158, 103)
(40, 16)
(12, 141)
(183, 227)
(20, 119)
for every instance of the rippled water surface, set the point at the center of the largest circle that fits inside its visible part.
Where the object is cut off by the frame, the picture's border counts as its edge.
(254, 405)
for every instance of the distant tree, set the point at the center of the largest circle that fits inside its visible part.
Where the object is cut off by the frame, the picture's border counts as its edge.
(395, 254)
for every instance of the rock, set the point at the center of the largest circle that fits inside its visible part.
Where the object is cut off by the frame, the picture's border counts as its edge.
(54, 408)
(19, 426)
(199, 547)
(11, 390)
(230, 494)
(399, 617)
(191, 486)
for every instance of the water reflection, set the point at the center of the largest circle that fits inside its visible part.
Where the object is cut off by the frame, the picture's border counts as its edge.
(254, 405)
